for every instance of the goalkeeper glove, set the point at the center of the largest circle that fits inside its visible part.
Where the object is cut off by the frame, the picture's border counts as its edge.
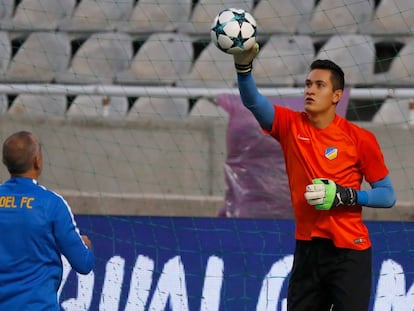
(244, 60)
(325, 194)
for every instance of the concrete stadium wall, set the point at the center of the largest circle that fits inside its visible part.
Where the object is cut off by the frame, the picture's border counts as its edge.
(168, 167)
(123, 159)
(149, 156)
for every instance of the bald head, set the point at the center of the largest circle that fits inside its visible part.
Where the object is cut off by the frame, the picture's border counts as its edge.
(22, 154)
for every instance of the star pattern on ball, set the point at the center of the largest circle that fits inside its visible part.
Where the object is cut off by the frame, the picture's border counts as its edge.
(219, 29)
(239, 40)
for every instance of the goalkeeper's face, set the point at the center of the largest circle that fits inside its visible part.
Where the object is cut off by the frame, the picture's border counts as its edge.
(320, 96)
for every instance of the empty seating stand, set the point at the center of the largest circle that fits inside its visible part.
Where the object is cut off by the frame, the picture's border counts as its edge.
(275, 17)
(282, 59)
(391, 18)
(152, 16)
(41, 57)
(160, 61)
(39, 15)
(92, 16)
(86, 106)
(99, 59)
(33, 105)
(332, 17)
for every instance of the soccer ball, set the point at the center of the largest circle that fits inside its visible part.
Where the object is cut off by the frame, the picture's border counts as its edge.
(233, 31)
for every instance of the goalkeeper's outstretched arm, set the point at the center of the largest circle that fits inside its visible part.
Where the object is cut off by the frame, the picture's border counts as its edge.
(259, 105)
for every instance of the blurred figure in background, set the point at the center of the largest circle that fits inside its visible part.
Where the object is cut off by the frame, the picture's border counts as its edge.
(255, 175)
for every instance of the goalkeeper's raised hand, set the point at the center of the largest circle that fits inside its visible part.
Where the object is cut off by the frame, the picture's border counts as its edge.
(244, 61)
(325, 194)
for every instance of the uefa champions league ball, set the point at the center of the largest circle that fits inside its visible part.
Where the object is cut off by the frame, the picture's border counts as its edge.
(234, 31)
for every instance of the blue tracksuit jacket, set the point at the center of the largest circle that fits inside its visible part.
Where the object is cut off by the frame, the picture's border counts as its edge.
(36, 227)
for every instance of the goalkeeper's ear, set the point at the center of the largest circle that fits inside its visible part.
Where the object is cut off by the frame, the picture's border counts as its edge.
(244, 60)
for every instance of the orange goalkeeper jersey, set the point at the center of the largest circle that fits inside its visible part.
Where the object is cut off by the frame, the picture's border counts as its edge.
(342, 152)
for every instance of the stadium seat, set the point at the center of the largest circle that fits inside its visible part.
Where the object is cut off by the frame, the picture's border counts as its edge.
(38, 105)
(98, 59)
(282, 58)
(97, 16)
(151, 16)
(6, 9)
(174, 107)
(204, 12)
(212, 68)
(392, 17)
(205, 107)
(339, 16)
(159, 61)
(394, 111)
(40, 58)
(281, 16)
(5, 52)
(401, 71)
(354, 53)
(4, 104)
(6, 12)
(41, 15)
(86, 106)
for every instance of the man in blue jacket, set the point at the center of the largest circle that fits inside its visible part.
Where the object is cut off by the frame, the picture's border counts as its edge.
(37, 227)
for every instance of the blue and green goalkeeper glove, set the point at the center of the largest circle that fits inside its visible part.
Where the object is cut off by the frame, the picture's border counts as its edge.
(325, 194)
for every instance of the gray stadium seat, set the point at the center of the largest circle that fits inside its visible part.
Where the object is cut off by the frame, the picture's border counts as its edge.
(38, 105)
(97, 16)
(281, 16)
(339, 16)
(204, 12)
(282, 58)
(392, 17)
(4, 103)
(6, 11)
(156, 106)
(40, 58)
(41, 15)
(150, 16)
(394, 112)
(401, 71)
(159, 61)
(204, 107)
(99, 58)
(5, 52)
(213, 68)
(86, 106)
(354, 53)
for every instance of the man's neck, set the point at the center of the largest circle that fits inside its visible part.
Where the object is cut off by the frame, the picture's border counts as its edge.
(321, 121)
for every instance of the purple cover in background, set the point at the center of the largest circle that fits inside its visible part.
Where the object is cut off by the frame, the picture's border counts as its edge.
(256, 180)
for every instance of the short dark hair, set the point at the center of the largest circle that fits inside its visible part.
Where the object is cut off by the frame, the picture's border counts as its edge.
(337, 74)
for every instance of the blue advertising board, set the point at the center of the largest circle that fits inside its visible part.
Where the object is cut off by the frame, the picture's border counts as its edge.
(211, 264)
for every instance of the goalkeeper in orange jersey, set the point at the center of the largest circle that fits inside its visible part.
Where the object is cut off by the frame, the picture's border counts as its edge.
(38, 227)
(326, 158)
